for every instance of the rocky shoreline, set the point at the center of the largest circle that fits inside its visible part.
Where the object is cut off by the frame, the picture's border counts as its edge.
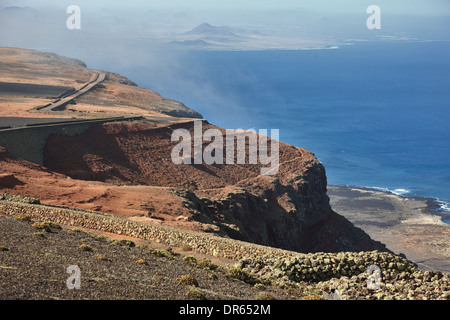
(405, 225)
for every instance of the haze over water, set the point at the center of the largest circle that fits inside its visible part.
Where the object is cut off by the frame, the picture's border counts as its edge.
(375, 114)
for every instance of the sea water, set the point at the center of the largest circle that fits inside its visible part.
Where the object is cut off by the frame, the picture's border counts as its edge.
(376, 114)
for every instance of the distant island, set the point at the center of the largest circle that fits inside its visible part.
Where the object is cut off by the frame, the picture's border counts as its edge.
(211, 37)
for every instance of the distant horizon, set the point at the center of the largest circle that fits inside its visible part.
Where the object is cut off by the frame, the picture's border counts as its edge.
(323, 20)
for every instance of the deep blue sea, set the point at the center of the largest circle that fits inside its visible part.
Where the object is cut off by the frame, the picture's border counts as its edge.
(375, 114)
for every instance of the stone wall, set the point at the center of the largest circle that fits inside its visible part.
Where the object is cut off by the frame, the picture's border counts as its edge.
(199, 242)
(28, 142)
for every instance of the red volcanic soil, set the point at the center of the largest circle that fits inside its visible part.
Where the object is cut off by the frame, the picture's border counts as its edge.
(126, 169)
(139, 153)
(147, 203)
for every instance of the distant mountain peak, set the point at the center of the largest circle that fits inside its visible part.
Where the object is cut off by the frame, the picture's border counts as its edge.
(205, 29)
(18, 9)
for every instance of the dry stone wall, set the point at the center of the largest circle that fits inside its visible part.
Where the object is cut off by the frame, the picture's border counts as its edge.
(199, 242)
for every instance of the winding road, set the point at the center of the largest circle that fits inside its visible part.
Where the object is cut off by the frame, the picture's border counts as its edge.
(13, 123)
(60, 103)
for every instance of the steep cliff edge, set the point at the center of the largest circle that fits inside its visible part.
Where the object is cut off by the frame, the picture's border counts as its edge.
(126, 168)
(289, 210)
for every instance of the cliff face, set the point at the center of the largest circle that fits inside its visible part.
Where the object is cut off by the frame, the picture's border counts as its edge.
(289, 210)
(293, 215)
(127, 169)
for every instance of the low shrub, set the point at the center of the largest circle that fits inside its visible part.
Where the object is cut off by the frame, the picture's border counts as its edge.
(38, 234)
(46, 226)
(101, 257)
(85, 247)
(312, 297)
(188, 280)
(206, 264)
(42, 226)
(191, 260)
(238, 273)
(265, 296)
(163, 253)
(123, 242)
(23, 217)
(196, 294)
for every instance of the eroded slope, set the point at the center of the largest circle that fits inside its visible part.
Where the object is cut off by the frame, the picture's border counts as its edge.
(288, 210)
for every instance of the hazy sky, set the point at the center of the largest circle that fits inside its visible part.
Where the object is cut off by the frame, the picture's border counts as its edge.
(434, 7)
(330, 21)
(266, 14)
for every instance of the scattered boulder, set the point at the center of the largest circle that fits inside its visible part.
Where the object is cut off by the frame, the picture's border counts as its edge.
(9, 181)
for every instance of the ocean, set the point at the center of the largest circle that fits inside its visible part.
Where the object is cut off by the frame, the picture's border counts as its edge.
(376, 114)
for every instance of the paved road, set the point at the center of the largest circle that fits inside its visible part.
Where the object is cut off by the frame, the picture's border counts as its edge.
(60, 103)
(17, 123)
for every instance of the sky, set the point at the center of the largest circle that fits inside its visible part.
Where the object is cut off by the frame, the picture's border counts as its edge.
(316, 18)
(404, 7)
(142, 24)
(348, 6)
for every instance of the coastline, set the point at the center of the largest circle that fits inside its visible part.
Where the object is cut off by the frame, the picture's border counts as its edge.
(407, 225)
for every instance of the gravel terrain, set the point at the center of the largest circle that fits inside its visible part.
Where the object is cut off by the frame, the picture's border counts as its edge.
(34, 264)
